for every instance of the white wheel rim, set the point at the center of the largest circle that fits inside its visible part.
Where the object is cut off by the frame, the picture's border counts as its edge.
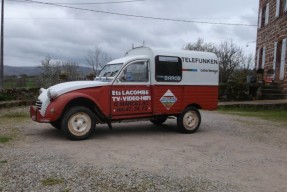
(190, 120)
(79, 124)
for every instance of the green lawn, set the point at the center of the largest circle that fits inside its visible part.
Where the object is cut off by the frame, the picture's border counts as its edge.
(278, 115)
(29, 82)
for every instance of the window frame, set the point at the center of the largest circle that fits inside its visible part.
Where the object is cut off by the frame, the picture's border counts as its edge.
(264, 16)
(119, 81)
(179, 70)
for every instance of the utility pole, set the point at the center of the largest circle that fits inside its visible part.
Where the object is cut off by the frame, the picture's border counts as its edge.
(2, 48)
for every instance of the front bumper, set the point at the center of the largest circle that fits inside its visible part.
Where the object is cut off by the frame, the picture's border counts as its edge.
(36, 115)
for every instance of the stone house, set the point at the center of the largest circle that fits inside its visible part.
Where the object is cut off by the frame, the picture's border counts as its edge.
(271, 46)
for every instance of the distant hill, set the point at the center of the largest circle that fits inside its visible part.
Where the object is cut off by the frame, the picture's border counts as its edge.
(9, 70)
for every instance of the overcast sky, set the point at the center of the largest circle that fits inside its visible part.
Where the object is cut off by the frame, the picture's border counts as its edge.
(34, 31)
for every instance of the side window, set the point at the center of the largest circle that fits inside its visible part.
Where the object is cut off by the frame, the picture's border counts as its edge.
(135, 72)
(168, 69)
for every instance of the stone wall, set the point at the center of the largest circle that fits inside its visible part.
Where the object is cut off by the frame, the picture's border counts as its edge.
(274, 31)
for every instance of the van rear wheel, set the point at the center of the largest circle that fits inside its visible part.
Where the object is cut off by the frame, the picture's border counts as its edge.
(78, 123)
(189, 120)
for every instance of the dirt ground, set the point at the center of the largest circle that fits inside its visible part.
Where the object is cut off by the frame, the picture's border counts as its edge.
(230, 153)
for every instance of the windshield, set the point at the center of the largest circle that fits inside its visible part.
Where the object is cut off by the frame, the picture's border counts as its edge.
(110, 70)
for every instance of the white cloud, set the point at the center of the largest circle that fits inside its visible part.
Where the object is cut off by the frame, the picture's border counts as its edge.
(69, 34)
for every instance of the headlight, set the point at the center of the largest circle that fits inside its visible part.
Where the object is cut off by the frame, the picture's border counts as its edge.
(41, 91)
(51, 94)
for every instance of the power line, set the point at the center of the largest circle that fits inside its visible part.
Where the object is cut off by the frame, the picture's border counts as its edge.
(112, 2)
(99, 3)
(141, 16)
(86, 18)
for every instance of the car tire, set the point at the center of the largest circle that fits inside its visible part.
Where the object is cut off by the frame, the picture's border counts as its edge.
(56, 124)
(78, 123)
(189, 120)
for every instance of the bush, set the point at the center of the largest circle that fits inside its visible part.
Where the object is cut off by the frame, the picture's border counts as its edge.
(19, 94)
(232, 91)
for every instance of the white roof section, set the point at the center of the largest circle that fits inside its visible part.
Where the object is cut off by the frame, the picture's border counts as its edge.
(168, 52)
(128, 59)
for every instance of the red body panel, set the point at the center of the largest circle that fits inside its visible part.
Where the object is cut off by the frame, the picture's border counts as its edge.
(36, 116)
(134, 101)
(130, 100)
(204, 96)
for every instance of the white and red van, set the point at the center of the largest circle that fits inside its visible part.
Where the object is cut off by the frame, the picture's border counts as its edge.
(147, 83)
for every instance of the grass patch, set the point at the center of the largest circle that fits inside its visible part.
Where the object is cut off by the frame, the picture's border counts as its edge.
(4, 139)
(278, 115)
(3, 161)
(52, 181)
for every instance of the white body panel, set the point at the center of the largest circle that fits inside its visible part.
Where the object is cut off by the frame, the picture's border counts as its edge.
(197, 72)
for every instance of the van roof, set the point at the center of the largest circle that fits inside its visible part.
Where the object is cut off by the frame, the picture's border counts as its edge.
(127, 59)
(169, 52)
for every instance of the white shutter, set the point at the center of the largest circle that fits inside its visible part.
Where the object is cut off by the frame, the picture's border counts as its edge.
(258, 58)
(263, 57)
(275, 59)
(275, 55)
(267, 14)
(285, 6)
(277, 8)
(260, 18)
(283, 56)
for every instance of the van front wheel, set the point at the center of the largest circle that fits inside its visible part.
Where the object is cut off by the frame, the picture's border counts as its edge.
(158, 120)
(189, 120)
(56, 124)
(78, 123)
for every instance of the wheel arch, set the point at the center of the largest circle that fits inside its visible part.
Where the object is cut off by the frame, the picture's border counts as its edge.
(86, 102)
(195, 105)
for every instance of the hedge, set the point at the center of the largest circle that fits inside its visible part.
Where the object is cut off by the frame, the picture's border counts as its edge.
(19, 94)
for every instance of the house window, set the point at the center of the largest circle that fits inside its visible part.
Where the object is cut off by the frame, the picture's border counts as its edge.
(264, 16)
(278, 3)
(281, 7)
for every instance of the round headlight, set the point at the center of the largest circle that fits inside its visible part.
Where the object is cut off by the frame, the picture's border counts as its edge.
(51, 94)
(41, 90)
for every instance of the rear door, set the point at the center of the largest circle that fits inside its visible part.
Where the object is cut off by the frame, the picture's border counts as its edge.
(168, 89)
(131, 91)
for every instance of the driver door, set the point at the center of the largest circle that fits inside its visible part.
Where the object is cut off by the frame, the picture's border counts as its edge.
(131, 91)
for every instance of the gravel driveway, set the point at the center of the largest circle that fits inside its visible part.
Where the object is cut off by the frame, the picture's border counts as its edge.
(228, 153)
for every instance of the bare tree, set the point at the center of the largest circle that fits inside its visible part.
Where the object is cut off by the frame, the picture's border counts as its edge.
(97, 58)
(230, 57)
(240, 74)
(51, 71)
(200, 45)
(70, 69)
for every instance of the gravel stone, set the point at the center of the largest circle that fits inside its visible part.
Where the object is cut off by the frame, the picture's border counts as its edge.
(228, 153)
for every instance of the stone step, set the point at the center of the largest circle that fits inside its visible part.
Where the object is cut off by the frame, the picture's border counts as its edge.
(273, 96)
(272, 91)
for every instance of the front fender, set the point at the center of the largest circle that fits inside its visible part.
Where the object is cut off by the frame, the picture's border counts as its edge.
(98, 96)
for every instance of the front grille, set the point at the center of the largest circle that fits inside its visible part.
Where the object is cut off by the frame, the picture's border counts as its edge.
(39, 104)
